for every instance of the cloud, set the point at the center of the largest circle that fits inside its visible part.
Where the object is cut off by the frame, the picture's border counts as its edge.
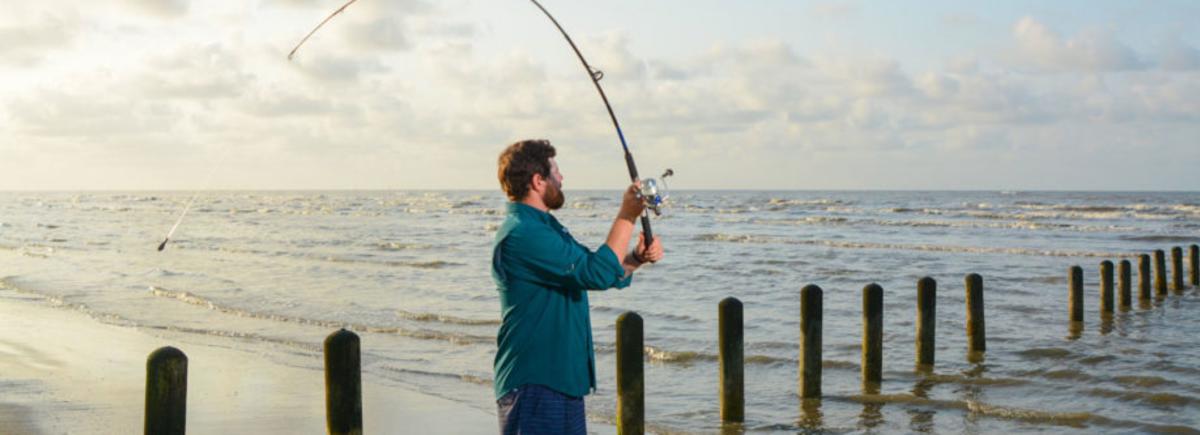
(838, 10)
(1179, 56)
(338, 68)
(27, 44)
(195, 72)
(162, 8)
(387, 33)
(1041, 49)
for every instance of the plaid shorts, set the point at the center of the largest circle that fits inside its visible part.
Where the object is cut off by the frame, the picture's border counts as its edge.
(535, 410)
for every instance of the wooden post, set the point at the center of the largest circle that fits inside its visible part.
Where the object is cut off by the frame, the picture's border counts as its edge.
(1076, 304)
(1160, 273)
(1177, 269)
(872, 340)
(343, 384)
(1106, 288)
(166, 392)
(1144, 277)
(631, 411)
(731, 361)
(926, 321)
(810, 342)
(1124, 277)
(1195, 256)
(976, 343)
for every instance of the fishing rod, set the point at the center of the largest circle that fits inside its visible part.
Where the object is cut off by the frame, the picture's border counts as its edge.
(652, 193)
(207, 184)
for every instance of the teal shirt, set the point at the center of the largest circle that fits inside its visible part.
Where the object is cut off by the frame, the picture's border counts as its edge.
(543, 275)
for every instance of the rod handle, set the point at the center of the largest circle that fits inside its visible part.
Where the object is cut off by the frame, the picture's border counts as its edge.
(648, 235)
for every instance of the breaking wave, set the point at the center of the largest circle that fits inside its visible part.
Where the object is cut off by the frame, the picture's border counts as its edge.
(424, 334)
(746, 238)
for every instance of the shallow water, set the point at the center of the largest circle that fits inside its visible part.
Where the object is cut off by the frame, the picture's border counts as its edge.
(277, 271)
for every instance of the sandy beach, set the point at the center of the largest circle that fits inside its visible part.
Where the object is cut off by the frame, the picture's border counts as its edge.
(63, 372)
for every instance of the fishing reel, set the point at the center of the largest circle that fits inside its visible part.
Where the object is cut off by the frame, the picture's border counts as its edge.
(654, 192)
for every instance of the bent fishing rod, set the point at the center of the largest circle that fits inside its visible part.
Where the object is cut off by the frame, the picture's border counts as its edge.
(653, 192)
(650, 187)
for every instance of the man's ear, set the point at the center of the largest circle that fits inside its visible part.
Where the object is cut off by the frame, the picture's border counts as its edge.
(537, 183)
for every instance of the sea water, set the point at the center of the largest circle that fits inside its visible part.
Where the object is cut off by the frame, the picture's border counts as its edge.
(275, 272)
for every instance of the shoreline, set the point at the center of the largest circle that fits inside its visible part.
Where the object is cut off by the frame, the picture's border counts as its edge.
(64, 372)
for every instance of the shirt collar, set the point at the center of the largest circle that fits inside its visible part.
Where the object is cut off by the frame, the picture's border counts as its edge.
(527, 210)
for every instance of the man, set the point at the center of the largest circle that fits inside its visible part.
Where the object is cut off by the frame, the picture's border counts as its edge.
(545, 363)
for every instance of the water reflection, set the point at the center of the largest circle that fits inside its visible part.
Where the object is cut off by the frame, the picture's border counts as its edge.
(872, 414)
(972, 392)
(810, 414)
(1075, 330)
(1106, 323)
(921, 420)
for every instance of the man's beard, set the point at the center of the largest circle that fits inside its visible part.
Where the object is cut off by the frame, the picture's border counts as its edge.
(553, 197)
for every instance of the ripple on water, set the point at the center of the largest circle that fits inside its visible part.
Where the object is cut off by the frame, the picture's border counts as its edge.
(1056, 353)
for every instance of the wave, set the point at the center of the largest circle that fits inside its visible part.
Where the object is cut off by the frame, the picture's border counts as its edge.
(1015, 225)
(452, 337)
(427, 264)
(466, 377)
(1157, 399)
(1043, 211)
(648, 314)
(399, 246)
(1055, 353)
(746, 238)
(443, 318)
(1162, 239)
(1073, 419)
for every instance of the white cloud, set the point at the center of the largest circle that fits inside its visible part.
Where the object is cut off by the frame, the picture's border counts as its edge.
(27, 43)
(162, 8)
(424, 100)
(1040, 48)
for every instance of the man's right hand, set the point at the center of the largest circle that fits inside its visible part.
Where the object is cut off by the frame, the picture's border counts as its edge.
(632, 204)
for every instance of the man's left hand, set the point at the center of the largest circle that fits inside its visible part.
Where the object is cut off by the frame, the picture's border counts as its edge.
(650, 254)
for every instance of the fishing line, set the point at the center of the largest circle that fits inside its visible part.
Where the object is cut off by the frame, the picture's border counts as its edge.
(186, 208)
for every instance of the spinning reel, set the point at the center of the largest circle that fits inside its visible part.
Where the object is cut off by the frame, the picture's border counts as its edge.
(655, 193)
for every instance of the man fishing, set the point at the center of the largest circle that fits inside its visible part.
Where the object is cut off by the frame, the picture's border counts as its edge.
(545, 362)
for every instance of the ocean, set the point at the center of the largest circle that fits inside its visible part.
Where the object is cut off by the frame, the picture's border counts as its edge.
(274, 272)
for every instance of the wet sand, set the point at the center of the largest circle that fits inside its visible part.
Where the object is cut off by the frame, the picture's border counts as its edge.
(63, 372)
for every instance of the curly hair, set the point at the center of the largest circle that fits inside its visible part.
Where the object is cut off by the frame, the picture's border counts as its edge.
(519, 162)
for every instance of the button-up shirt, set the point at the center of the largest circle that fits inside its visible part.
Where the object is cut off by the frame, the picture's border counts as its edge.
(543, 275)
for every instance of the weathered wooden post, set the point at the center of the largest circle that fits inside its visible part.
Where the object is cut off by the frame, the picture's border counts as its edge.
(1144, 278)
(631, 411)
(731, 361)
(872, 341)
(166, 392)
(1075, 279)
(343, 384)
(1124, 277)
(1106, 288)
(1160, 273)
(926, 321)
(1195, 256)
(810, 342)
(1177, 269)
(976, 343)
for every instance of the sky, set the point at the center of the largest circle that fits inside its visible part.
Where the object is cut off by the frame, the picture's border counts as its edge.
(763, 94)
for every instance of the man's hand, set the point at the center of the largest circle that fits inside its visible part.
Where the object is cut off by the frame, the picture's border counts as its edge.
(651, 254)
(632, 204)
